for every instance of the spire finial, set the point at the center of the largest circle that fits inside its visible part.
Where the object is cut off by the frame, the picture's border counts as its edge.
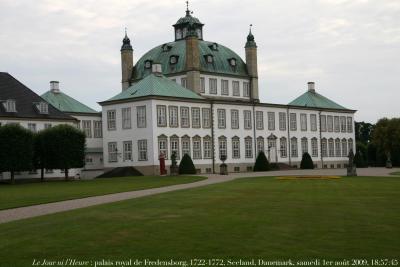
(251, 25)
(187, 9)
(126, 32)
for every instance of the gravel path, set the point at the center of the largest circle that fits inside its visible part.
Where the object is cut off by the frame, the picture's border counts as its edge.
(43, 209)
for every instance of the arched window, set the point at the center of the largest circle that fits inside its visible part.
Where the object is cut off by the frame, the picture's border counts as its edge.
(207, 147)
(331, 148)
(223, 151)
(260, 144)
(294, 147)
(248, 145)
(283, 147)
(344, 148)
(174, 143)
(304, 145)
(196, 147)
(235, 147)
(185, 145)
(324, 147)
(351, 145)
(338, 148)
(314, 147)
(163, 146)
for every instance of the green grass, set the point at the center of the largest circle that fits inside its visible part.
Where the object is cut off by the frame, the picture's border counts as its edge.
(19, 195)
(395, 173)
(348, 218)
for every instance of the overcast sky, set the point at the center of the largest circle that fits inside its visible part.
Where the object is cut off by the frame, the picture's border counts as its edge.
(350, 48)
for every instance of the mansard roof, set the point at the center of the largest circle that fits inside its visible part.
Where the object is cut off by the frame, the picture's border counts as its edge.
(25, 100)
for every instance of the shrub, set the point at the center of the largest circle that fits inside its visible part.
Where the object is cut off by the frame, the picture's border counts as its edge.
(262, 163)
(306, 162)
(359, 160)
(186, 165)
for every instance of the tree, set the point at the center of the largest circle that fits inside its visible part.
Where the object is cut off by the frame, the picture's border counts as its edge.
(39, 152)
(262, 163)
(65, 148)
(16, 149)
(186, 165)
(363, 131)
(386, 138)
(306, 162)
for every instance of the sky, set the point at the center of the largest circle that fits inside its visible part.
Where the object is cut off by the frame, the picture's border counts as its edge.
(349, 48)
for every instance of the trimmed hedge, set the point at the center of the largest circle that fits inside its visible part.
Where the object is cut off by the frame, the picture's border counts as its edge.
(262, 163)
(306, 162)
(186, 165)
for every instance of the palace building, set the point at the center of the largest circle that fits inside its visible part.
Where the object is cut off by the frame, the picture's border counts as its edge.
(196, 97)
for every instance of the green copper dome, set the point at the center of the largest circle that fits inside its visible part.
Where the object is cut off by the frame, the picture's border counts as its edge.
(163, 54)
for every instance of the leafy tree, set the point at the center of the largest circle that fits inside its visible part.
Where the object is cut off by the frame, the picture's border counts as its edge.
(65, 148)
(262, 163)
(39, 152)
(386, 138)
(363, 132)
(359, 160)
(306, 162)
(16, 149)
(186, 165)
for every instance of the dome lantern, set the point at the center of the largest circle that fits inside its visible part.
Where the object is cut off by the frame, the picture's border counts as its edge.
(188, 26)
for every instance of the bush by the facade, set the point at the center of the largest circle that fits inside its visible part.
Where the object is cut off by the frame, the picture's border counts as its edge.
(65, 148)
(306, 162)
(186, 165)
(262, 163)
(16, 149)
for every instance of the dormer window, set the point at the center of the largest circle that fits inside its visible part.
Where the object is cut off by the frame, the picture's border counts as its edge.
(147, 64)
(43, 107)
(10, 106)
(209, 59)
(232, 62)
(173, 60)
(214, 47)
(166, 48)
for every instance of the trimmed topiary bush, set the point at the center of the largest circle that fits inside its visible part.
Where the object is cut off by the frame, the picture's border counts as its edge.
(262, 163)
(306, 162)
(186, 165)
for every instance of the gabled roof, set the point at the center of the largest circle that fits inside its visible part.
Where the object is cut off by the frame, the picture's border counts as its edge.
(66, 103)
(314, 100)
(25, 99)
(154, 85)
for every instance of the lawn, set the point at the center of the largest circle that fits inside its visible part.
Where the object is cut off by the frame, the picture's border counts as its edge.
(395, 173)
(19, 195)
(347, 218)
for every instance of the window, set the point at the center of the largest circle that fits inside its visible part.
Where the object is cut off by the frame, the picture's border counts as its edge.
(247, 119)
(235, 88)
(142, 150)
(313, 122)
(331, 147)
(224, 87)
(294, 147)
(184, 82)
(324, 148)
(232, 62)
(304, 145)
(206, 114)
(259, 120)
(10, 105)
(351, 145)
(338, 148)
(293, 122)
(213, 86)
(303, 122)
(248, 147)
(207, 147)
(196, 147)
(112, 152)
(163, 146)
(173, 116)
(323, 123)
(111, 124)
(47, 125)
(271, 121)
(330, 123)
(196, 118)
(185, 117)
(272, 146)
(161, 116)
(283, 142)
(126, 118)
(260, 145)
(336, 124)
(343, 124)
(128, 150)
(344, 148)
(32, 127)
(147, 64)
(222, 146)
(221, 118)
(97, 129)
(173, 59)
(235, 147)
(246, 89)
(209, 58)
(234, 119)
(43, 108)
(87, 128)
(174, 143)
(141, 116)
(282, 121)
(202, 85)
(186, 145)
(314, 147)
(350, 124)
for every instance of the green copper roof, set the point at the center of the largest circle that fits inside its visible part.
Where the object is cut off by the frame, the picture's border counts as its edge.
(315, 100)
(154, 85)
(162, 54)
(66, 103)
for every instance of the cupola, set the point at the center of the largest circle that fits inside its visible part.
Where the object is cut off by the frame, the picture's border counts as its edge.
(126, 43)
(188, 26)
(250, 39)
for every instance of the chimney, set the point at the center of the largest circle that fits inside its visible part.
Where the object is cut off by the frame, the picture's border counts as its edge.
(156, 69)
(55, 86)
(311, 87)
